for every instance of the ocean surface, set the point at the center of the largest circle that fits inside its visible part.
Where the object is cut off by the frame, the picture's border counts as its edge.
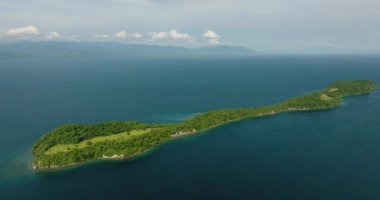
(333, 154)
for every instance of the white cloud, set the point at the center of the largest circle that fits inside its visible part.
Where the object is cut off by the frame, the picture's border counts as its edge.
(213, 38)
(137, 35)
(121, 35)
(126, 35)
(23, 31)
(211, 34)
(179, 36)
(102, 37)
(53, 35)
(57, 36)
(159, 35)
(171, 35)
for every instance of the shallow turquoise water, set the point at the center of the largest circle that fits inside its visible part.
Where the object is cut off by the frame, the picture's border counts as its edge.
(331, 154)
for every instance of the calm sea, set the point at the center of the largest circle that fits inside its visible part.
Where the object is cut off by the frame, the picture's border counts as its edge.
(332, 154)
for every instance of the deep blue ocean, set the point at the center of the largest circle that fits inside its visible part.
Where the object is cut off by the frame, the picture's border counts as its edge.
(333, 154)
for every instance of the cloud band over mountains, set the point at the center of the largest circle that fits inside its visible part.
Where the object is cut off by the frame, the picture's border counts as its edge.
(171, 36)
(26, 31)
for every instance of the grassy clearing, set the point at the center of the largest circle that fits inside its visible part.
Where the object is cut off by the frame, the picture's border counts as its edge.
(116, 137)
(325, 97)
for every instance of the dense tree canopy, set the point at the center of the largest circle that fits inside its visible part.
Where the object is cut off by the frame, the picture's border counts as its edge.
(160, 133)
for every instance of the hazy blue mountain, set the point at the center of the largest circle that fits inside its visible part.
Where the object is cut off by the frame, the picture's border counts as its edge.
(112, 49)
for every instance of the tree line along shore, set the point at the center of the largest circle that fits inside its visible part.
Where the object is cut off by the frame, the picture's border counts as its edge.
(77, 143)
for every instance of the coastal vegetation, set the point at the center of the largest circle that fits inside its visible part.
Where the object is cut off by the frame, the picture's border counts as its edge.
(76, 143)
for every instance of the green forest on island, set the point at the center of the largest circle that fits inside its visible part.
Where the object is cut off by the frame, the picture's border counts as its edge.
(76, 143)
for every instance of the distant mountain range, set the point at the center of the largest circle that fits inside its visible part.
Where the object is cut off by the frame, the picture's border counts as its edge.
(112, 49)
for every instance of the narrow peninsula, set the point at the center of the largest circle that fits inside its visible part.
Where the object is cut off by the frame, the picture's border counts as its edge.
(75, 143)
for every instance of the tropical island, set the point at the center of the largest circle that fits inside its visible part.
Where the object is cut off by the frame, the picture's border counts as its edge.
(76, 143)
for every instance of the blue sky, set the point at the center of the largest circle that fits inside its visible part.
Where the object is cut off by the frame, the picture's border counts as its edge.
(282, 26)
